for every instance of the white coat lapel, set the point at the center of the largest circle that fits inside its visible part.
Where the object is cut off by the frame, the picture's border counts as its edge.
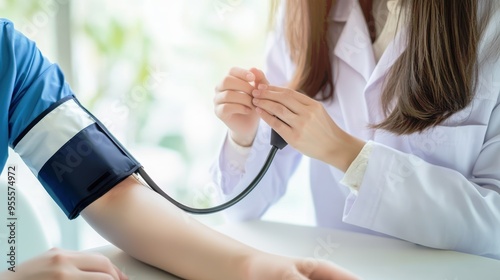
(389, 57)
(376, 83)
(354, 45)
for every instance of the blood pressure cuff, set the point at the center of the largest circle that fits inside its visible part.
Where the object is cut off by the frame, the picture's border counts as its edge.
(73, 155)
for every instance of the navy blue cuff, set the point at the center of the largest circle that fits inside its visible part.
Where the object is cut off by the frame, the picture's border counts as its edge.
(73, 155)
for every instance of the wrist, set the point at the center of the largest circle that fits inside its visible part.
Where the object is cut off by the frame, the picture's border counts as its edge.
(240, 140)
(345, 151)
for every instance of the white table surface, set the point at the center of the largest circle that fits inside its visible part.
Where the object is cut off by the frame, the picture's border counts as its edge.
(370, 257)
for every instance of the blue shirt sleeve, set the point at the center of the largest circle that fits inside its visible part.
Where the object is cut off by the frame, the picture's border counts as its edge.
(71, 153)
(29, 84)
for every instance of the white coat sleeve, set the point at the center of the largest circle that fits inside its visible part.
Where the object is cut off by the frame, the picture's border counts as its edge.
(232, 174)
(404, 196)
(431, 205)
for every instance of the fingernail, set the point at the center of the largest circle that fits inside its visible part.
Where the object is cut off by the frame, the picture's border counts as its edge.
(250, 76)
(262, 86)
(255, 92)
(255, 101)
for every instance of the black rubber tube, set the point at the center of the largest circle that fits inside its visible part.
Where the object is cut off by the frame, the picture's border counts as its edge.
(222, 206)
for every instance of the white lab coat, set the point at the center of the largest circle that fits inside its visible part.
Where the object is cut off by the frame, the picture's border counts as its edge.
(439, 188)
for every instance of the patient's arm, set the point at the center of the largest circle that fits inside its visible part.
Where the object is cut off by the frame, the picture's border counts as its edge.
(152, 230)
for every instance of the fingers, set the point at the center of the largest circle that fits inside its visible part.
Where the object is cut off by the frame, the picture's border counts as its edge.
(278, 125)
(122, 275)
(234, 94)
(240, 79)
(260, 77)
(277, 110)
(327, 271)
(96, 263)
(286, 97)
(295, 276)
(242, 74)
(93, 276)
(230, 103)
(235, 83)
(283, 105)
(225, 111)
(233, 97)
(312, 269)
(62, 264)
(289, 93)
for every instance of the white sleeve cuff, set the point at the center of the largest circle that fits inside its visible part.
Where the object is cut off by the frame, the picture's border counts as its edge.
(356, 171)
(235, 155)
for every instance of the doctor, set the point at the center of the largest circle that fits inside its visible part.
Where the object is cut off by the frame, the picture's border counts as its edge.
(402, 124)
(86, 172)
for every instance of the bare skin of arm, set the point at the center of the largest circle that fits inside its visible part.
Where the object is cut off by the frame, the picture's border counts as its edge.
(147, 227)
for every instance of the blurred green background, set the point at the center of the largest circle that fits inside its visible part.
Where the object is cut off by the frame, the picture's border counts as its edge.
(148, 70)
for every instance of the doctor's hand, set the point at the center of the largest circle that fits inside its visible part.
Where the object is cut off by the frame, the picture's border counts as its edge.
(304, 123)
(233, 103)
(62, 265)
(284, 268)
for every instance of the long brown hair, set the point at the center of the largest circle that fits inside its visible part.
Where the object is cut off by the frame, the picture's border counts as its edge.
(433, 78)
(306, 32)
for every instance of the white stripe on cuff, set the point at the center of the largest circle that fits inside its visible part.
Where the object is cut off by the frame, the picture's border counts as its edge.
(51, 133)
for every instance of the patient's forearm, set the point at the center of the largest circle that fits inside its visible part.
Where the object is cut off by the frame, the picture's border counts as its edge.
(152, 230)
